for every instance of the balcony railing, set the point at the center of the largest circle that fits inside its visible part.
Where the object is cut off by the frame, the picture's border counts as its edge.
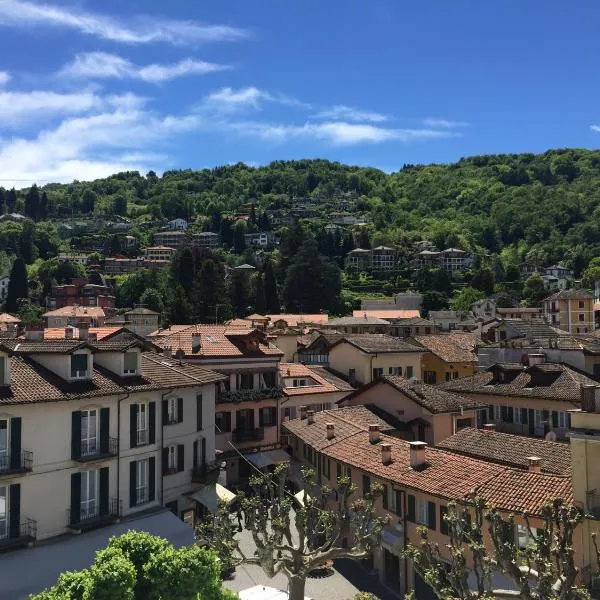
(142, 437)
(20, 463)
(91, 516)
(248, 435)
(98, 448)
(26, 533)
(250, 395)
(207, 473)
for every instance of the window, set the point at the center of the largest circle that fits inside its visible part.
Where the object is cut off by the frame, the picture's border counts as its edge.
(349, 473)
(507, 413)
(301, 383)
(427, 513)
(377, 372)
(352, 374)
(429, 377)
(581, 304)
(267, 416)
(448, 375)
(79, 366)
(246, 381)
(444, 525)
(171, 459)
(130, 360)
(142, 424)
(269, 378)
(3, 512)
(409, 372)
(89, 432)
(491, 413)
(561, 419)
(525, 537)
(172, 412)
(397, 502)
(366, 484)
(3, 371)
(395, 370)
(141, 481)
(462, 423)
(223, 422)
(338, 470)
(89, 495)
(454, 374)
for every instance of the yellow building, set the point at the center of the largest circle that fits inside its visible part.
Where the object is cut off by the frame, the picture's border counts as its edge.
(450, 356)
(363, 358)
(570, 310)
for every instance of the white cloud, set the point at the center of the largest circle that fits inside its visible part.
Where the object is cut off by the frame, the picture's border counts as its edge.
(595, 128)
(4, 77)
(347, 113)
(144, 30)
(443, 123)
(102, 65)
(228, 100)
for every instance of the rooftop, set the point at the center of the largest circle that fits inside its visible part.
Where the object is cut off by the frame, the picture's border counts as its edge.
(378, 342)
(76, 311)
(391, 313)
(359, 318)
(293, 320)
(323, 381)
(451, 347)
(574, 294)
(510, 450)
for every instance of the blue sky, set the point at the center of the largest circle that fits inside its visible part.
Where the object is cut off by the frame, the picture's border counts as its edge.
(90, 88)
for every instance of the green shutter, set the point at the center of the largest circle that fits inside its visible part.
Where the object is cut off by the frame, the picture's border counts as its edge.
(384, 497)
(165, 461)
(411, 509)
(554, 419)
(132, 483)
(15, 510)
(103, 491)
(444, 529)
(180, 457)
(75, 497)
(199, 412)
(431, 520)
(179, 410)
(165, 412)
(152, 422)
(15, 443)
(76, 434)
(203, 460)
(104, 429)
(151, 479)
(195, 454)
(133, 413)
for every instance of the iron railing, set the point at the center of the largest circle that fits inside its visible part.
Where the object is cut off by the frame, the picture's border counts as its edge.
(250, 395)
(91, 514)
(247, 435)
(142, 437)
(27, 531)
(15, 463)
(96, 447)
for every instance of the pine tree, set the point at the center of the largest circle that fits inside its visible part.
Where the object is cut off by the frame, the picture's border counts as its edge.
(17, 286)
(260, 301)
(183, 269)
(239, 292)
(44, 206)
(239, 241)
(209, 291)
(270, 286)
(27, 248)
(32, 202)
(291, 240)
(11, 200)
(152, 299)
(3, 194)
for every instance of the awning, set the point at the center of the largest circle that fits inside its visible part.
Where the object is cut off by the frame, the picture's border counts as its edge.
(210, 495)
(300, 497)
(271, 457)
(392, 539)
(261, 592)
(18, 579)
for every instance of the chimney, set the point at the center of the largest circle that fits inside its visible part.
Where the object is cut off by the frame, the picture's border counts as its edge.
(535, 359)
(34, 333)
(330, 431)
(534, 464)
(84, 331)
(417, 454)
(196, 345)
(588, 398)
(68, 333)
(489, 427)
(93, 337)
(374, 436)
(303, 410)
(386, 454)
(310, 414)
(168, 352)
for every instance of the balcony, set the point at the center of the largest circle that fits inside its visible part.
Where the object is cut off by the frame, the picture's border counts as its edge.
(96, 449)
(250, 395)
(249, 435)
(11, 464)
(207, 473)
(96, 516)
(24, 535)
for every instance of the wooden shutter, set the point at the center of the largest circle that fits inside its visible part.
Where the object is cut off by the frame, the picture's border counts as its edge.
(103, 491)
(273, 415)
(15, 510)
(431, 520)
(75, 497)
(384, 497)
(261, 421)
(338, 469)
(165, 461)
(443, 523)
(179, 410)
(15, 443)
(398, 502)
(554, 419)
(199, 412)
(104, 429)
(133, 413)
(203, 448)
(410, 515)
(76, 434)
(165, 412)
(132, 483)
(195, 456)
(151, 422)
(180, 457)
(227, 422)
(151, 479)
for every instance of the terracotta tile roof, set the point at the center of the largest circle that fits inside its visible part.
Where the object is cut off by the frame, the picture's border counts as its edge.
(58, 333)
(388, 314)
(76, 311)
(577, 294)
(215, 340)
(7, 318)
(420, 321)
(20, 346)
(521, 491)
(293, 320)
(357, 319)
(338, 382)
(321, 384)
(510, 450)
(562, 384)
(379, 342)
(451, 348)
(239, 323)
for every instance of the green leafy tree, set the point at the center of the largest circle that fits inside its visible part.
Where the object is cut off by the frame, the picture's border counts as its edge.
(27, 248)
(209, 292)
(483, 279)
(119, 205)
(152, 299)
(433, 300)
(179, 307)
(534, 290)
(292, 239)
(29, 313)
(592, 273)
(464, 298)
(17, 286)
(32, 202)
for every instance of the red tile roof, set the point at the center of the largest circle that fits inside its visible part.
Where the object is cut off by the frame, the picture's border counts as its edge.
(321, 384)
(293, 320)
(388, 314)
(76, 311)
(451, 347)
(58, 333)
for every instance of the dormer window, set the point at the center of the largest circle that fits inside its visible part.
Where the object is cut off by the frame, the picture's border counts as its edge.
(130, 363)
(79, 366)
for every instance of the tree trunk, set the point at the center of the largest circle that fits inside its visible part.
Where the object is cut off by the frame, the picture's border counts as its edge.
(296, 587)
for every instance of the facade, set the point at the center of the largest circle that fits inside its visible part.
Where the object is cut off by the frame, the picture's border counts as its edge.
(81, 259)
(93, 316)
(122, 266)
(407, 301)
(313, 349)
(449, 320)
(142, 321)
(406, 328)
(178, 224)
(296, 320)
(362, 358)
(358, 324)
(418, 412)
(380, 258)
(100, 431)
(176, 239)
(248, 399)
(264, 239)
(206, 239)
(570, 310)
(450, 259)
(172, 239)
(520, 312)
(81, 292)
(159, 253)
(449, 356)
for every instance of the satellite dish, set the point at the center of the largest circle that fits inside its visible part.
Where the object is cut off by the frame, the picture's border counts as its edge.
(550, 436)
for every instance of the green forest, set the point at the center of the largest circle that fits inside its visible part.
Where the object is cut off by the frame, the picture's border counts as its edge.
(507, 209)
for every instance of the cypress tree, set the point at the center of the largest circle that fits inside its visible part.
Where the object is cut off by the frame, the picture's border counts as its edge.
(17, 286)
(260, 301)
(270, 287)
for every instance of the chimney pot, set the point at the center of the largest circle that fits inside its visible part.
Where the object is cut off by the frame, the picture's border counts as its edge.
(68, 333)
(534, 464)
(196, 343)
(330, 431)
(310, 416)
(417, 454)
(386, 454)
(374, 436)
(303, 410)
(489, 427)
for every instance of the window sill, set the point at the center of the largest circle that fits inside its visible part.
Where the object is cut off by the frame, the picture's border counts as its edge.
(172, 471)
(175, 422)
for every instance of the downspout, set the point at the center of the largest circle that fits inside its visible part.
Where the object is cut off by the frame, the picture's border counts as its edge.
(162, 444)
(119, 445)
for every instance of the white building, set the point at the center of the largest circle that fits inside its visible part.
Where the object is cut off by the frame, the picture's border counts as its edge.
(178, 224)
(159, 253)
